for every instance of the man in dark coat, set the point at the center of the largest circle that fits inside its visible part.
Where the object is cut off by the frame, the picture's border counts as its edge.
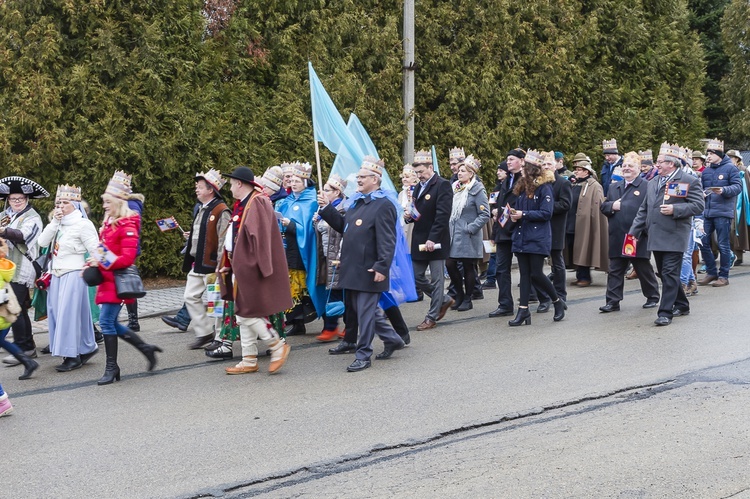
(623, 201)
(504, 234)
(666, 215)
(612, 160)
(430, 239)
(562, 193)
(367, 249)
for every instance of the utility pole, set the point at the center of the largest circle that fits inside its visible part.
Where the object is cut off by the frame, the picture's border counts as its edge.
(409, 80)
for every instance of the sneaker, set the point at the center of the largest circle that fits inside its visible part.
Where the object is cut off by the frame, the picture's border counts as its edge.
(5, 406)
(732, 260)
(702, 269)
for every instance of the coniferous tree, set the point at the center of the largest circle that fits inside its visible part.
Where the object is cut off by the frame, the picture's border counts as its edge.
(736, 84)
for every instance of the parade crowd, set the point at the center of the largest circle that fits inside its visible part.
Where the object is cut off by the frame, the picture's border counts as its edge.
(284, 254)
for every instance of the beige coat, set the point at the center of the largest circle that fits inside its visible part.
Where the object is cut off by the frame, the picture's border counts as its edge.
(591, 245)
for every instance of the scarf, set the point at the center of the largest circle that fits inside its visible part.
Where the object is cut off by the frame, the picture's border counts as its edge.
(460, 198)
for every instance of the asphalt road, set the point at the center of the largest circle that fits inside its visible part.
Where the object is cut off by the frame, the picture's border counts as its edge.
(598, 405)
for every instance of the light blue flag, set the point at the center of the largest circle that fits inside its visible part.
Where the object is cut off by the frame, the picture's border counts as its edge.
(434, 161)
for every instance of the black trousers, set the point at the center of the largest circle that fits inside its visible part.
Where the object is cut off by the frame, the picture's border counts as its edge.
(531, 268)
(558, 277)
(504, 257)
(669, 264)
(463, 284)
(22, 335)
(616, 279)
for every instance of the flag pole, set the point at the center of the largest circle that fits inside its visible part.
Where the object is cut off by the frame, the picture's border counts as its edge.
(317, 161)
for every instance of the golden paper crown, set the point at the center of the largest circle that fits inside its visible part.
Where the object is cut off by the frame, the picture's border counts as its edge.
(119, 185)
(535, 157)
(548, 156)
(302, 170)
(68, 192)
(472, 163)
(672, 150)
(683, 153)
(287, 167)
(610, 146)
(337, 182)
(422, 157)
(456, 153)
(715, 145)
(374, 165)
(213, 178)
(408, 170)
(273, 178)
(646, 156)
(632, 158)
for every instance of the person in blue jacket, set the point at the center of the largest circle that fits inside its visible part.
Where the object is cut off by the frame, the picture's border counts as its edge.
(721, 185)
(532, 237)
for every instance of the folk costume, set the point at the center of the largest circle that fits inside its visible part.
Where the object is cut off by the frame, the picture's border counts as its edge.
(254, 252)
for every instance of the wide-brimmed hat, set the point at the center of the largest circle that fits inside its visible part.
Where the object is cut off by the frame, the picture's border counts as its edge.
(734, 153)
(21, 185)
(244, 174)
(699, 155)
(580, 157)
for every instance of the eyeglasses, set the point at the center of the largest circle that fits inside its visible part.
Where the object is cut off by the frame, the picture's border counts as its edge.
(361, 177)
(17, 200)
(327, 190)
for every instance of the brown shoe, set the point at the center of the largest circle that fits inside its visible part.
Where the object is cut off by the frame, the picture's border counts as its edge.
(720, 282)
(632, 275)
(426, 324)
(242, 368)
(707, 280)
(445, 308)
(278, 358)
(583, 284)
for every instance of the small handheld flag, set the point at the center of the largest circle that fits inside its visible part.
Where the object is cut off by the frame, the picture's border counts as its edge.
(167, 224)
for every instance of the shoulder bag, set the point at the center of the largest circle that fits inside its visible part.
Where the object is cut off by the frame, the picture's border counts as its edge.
(128, 283)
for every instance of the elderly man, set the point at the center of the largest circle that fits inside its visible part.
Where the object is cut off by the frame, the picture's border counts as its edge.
(20, 226)
(721, 185)
(367, 249)
(623, 201)
(666, 215)
(430, 239)
(202, 253)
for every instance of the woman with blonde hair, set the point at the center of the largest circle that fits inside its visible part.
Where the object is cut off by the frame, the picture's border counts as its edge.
(118, 238)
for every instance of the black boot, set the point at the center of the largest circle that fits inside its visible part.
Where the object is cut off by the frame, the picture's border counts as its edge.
(149, 351)
(465, 305)
(98, 336)
(523, 315)
(69, 364)
(133, 316)
(458, 299)
(559, 310)
(112, 370)
(29, 365)
(398, 323)
(297, 327)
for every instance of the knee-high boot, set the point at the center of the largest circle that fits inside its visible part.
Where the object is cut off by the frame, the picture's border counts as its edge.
(112, 370)
(149, 351)
(29, 366)
(398, 323)
(133, 324)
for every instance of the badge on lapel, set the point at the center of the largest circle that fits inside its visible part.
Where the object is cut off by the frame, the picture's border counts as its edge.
(358, 222)
(636, 193)
(427, 196)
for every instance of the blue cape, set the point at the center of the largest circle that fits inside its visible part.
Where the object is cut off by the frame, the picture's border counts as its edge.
(743, 204)
(300, 208)
(402, 287)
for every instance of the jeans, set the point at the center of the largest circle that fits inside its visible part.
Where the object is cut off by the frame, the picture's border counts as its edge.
(491, 269)
(183, 317)
(686, 273)
(108, 319)
(9, 347)
(722, 226)
(1, 391)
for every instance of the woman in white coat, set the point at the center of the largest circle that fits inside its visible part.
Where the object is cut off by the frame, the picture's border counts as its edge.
(72, 235)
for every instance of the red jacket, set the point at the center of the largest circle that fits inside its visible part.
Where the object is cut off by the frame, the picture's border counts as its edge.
(122, 240)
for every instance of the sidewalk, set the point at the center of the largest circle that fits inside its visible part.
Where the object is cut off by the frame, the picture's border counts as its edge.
(156, 302)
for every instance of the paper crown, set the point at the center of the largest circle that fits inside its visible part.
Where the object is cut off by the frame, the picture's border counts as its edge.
(302, 170)
(213, 178)
(337, 182)
(68, 192)
(456, 153)
(273, 178)
(287, 167)
(683, 153)
(375, 165)
(119, 185)
(472, 163)
(647, 157)
(672, 150)
(408, 170)
(548, 156)
(632, 158)
(715, 145)
(535, 157)
(422, 158)
(610, 146)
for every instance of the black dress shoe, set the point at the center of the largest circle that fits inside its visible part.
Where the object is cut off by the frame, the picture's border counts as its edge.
(388, 351)
(651, 304)
(173, 322)
(86, 356)
(46, 350)
(465, 305)
(677, 312)
(489, 285)
(220, 353)
(500, 312)
(406, 338)
(69, 364)
(609, 307)
(343, 347)
(543, 307)
(297, 328)
(477, 295)
(663, 321)
(358, 365)
(213, 345)
(201, 341)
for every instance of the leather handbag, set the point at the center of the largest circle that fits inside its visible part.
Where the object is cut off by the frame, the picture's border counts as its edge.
(128, 283)
(41, 264)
